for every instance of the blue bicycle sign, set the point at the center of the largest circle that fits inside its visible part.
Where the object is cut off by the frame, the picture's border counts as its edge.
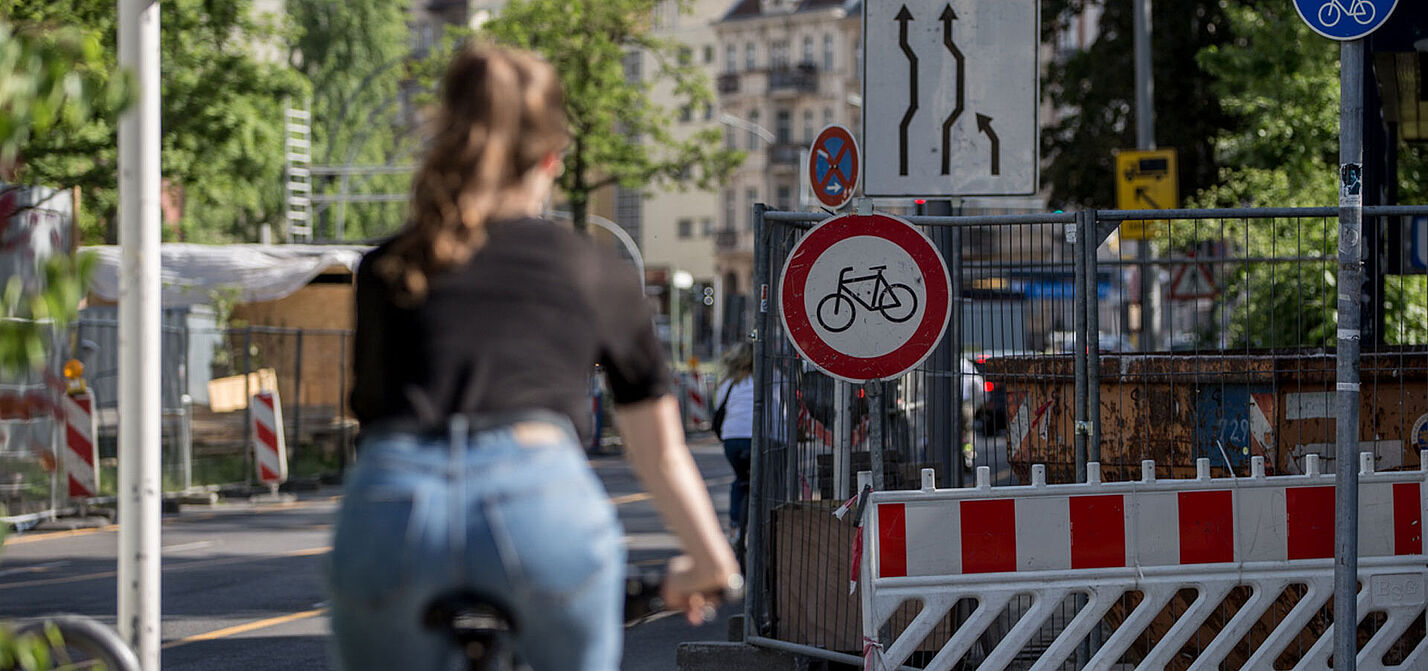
(1345, 19)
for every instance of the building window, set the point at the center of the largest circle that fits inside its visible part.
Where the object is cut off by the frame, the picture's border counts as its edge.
(731, 58)
(827, 116)
(729, 211)
(706, 227)
(686, 56)
(751, 196)
(686, 229)
(632, 66)
(785, 198)
(708, 54)
(708, 112)
(828, 52)
(753, 136)
(778, 56)
(808, 50)
(686, 113)
(783, 126)
(749, 56)
(730, 138)
(858, 57)
(808, 130)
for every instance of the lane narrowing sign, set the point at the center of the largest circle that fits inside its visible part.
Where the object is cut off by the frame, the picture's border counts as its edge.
(834, 166)
(864, 297)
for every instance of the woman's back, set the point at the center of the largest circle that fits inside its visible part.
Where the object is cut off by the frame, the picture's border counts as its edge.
(518, 326)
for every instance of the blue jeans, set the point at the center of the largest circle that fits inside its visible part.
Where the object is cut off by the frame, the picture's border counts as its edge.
(514, 516)
(739, 452)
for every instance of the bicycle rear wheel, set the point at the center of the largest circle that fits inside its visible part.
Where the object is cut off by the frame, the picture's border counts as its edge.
(83, 641)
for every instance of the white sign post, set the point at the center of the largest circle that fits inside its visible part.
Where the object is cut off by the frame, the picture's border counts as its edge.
(951, 92)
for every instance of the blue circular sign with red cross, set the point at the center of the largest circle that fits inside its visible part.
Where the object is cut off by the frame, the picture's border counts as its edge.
(1344, 19)
(834, 166)
(864, 297)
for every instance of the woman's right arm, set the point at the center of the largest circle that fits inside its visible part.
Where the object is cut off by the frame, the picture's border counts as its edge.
(654, 444)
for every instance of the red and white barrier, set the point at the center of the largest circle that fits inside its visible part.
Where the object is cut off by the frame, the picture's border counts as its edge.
(939, 547)
(81, 455)
(695, 398)
(270, 449)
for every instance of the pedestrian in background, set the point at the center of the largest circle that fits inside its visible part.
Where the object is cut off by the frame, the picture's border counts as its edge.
(734, 415)
(477, 326)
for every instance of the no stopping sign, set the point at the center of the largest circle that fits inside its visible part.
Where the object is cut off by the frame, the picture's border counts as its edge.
(864, 297)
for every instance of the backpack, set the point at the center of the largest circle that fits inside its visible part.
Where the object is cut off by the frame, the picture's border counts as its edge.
(719, 412)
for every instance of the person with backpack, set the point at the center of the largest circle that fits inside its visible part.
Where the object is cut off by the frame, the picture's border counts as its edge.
(734, 422)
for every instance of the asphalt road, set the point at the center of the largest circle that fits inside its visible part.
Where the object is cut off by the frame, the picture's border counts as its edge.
(242, 585)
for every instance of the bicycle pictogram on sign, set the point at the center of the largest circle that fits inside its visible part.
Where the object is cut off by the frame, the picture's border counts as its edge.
(833, 166)
(896, 301)
(1345, 19)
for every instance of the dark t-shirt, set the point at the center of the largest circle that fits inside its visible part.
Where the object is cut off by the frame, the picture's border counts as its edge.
(518, 327)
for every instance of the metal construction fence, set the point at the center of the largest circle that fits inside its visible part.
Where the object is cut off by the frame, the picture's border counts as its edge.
(1114, 337)
(209, 374)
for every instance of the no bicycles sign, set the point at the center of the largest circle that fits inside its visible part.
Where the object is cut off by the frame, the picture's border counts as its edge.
(864, 297)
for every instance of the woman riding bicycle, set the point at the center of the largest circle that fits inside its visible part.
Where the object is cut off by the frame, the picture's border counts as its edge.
(477, 326)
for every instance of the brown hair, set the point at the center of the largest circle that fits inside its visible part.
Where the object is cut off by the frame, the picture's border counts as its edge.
(739, 362)
(502, 111)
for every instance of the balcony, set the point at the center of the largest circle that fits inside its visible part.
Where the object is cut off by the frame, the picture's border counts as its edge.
(728, 83)
(726, 240)
(802, 78)
(784, 154)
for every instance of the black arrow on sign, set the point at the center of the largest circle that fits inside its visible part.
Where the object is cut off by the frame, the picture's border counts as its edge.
(948, 16)
(984, 124)
(1140, 193)
(902, 18)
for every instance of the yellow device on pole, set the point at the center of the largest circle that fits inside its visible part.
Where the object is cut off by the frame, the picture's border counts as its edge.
(1146, 180)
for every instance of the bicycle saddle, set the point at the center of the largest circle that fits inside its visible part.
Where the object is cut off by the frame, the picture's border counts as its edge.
(478, 624)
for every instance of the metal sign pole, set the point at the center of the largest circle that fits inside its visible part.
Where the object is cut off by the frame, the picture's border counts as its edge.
(139, 336)
(1346, 504)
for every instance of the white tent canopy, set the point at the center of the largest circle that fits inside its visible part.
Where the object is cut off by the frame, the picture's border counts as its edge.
(194, 274)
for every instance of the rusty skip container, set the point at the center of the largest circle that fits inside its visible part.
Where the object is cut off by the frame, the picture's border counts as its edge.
(1227, 407)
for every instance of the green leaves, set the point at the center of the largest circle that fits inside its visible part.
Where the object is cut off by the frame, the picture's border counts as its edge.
(30, 317)
(609, 62)
(52, 82)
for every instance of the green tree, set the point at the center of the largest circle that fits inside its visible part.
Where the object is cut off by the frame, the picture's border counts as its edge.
(53, 83)
(619, 134)
(1096, 90)
(1280, 82)
(356, 55)
(222, 116)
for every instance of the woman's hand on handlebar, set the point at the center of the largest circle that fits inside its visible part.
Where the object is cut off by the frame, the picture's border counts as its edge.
(697, 591)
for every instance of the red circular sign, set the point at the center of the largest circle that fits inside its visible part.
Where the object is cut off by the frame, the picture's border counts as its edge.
(864, 297)
(834, 165)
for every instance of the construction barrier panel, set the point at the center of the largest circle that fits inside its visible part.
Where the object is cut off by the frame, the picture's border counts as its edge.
(1260, 548)
(270, 451)
(81, 454)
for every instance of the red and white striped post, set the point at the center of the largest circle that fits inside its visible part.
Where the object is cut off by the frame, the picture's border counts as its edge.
(81, 456)
(270, 451)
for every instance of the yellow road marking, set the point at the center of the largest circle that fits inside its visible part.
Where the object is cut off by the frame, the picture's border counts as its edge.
(202, 563)
(197, 517)
(245, 627)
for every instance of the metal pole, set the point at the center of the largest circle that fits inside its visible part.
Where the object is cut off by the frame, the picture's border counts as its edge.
(1145, 139)
(1346, 504)
(297, 394)
(762, 391)
(842, 440)
(1093, 342)
(140, 336)
(954, 335)
(942, 429)
(1077, 234)
(186, 440)
(876, 415)
(1144, 82)
(248, 403)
